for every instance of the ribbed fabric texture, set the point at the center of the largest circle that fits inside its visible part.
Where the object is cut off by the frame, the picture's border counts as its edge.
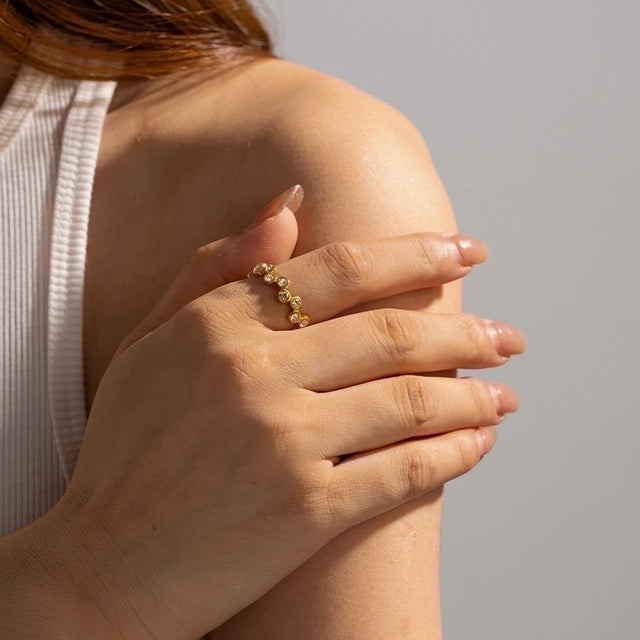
(50, 132)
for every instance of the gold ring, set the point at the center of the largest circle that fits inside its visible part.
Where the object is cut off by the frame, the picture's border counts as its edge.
(270, 276)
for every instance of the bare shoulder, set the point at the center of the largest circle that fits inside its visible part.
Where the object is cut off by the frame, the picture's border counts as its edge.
(364, 166)
(248, 134)
(360, 160)
(196, 159)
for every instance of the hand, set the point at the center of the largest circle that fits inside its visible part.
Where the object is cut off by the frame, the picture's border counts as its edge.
(272, 236)
(223, 451)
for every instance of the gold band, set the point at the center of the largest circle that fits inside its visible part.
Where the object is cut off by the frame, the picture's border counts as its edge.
(269, 275)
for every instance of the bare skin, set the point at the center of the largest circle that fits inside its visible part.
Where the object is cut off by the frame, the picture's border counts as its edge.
(182, 164)
(181, 167)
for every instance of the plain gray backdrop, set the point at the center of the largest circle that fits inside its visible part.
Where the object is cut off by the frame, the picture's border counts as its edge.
(531, 111)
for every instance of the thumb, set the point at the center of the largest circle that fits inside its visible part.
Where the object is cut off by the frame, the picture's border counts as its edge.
(270, 238)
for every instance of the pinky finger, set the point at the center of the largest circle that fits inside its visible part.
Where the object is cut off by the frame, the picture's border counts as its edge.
(369, 484)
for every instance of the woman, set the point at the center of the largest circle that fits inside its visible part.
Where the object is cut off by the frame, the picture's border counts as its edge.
(233, 475)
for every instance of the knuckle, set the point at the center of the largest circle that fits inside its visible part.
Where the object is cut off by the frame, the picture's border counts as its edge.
(414, 400)
(220, 315)
(481, 402)
(417, 471)
(397, 333)
(200, 256)
(466, 451)
(319, 503)
(338, 503)
(251, 365)
(192, 321)
(288, 430)
(202, 321)
(475, 335)
(428, 255)
(349, 263)
(211, 336)
(203, 267)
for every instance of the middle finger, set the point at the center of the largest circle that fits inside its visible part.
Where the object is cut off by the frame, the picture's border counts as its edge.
(365, 346)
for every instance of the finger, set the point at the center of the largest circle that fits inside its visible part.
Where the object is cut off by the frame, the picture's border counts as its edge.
(339, 276)
(382, 412)
(372, 483)
(272, 236)
(386, 342)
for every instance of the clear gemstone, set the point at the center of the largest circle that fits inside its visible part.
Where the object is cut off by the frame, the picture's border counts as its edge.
(295, 302)
(260, 269)
(304, 321)
(270, 278)
(283, 283)
(284, 295)
(294, 316)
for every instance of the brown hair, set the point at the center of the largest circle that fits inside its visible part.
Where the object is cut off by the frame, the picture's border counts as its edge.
(117, 39)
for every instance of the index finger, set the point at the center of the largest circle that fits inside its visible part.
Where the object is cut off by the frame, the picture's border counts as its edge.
(339, 276)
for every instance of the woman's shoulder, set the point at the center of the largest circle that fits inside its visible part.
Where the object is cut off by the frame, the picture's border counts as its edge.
(265, 125)
(272, 97)
(196, 158)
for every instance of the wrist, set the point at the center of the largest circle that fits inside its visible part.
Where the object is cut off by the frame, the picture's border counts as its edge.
(51, 586)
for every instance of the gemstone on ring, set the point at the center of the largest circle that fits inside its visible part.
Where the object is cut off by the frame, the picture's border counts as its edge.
(284, 296)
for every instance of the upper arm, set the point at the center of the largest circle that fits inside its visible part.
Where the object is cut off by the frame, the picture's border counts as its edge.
(365, 169)
(366, 172)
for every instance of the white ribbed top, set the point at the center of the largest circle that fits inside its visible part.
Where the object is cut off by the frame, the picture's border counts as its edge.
(49, 137)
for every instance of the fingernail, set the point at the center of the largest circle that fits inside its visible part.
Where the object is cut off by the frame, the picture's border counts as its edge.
(471, 250)
(505, 398)
(291, 199)
(486, 437)
(508, 340)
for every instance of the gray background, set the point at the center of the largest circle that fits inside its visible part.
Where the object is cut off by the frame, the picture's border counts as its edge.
(531, 112)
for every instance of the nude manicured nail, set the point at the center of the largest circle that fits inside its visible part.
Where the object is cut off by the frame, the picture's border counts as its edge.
(471, 250)
(505, 398)
(291, 199)
(508, 340)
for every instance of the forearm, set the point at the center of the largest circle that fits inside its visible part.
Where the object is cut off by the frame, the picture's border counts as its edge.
(33, 602)
(49, 587)
(377, 581)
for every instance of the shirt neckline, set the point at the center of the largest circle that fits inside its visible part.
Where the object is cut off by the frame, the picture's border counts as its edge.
(20, 102)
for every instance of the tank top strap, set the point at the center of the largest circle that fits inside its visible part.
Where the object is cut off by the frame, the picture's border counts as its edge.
(50, 131)
(78, 158)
